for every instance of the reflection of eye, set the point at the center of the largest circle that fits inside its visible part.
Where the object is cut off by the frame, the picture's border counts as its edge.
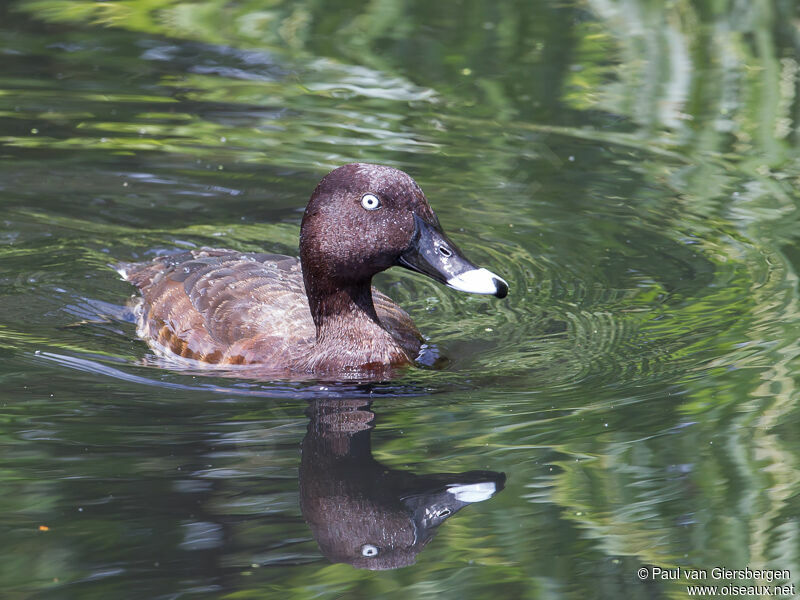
(369, 550)
(370, 202)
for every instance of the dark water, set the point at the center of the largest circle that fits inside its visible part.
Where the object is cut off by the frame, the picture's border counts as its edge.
(629, 167)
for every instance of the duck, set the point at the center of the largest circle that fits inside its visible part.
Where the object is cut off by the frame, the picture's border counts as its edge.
(316, 315)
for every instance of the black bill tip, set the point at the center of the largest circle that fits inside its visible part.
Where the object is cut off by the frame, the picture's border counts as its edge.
(502, 287)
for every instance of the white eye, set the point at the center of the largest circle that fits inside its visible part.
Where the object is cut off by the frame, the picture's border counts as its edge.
(370, 202)
(369, 550)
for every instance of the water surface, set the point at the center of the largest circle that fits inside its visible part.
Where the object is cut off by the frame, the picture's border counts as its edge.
(630, 169)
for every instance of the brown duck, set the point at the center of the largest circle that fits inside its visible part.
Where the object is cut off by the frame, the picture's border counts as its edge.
(318, 315)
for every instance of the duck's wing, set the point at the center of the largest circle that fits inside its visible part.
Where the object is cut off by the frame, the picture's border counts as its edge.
(223, 306)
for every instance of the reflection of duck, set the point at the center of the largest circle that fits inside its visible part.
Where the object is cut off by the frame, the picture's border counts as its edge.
(227, 307)
(359, 511)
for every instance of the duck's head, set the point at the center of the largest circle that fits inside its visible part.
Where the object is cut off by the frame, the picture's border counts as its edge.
(364, 218)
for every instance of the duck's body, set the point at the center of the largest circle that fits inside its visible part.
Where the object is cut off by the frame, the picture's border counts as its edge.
(232, 308)
(318, 315)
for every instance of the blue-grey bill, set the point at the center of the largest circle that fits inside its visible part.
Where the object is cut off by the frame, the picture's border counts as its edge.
(432, 253)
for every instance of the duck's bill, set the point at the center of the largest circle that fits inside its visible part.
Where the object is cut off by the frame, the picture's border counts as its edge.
(440, 496)
(432, 253)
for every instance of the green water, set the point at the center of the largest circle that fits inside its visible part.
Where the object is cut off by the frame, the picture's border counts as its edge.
(629, 166)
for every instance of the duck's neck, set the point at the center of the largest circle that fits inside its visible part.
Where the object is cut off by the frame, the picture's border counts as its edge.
(349, 332)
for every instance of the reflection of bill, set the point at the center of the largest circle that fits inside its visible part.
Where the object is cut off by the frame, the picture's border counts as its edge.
(359, 511)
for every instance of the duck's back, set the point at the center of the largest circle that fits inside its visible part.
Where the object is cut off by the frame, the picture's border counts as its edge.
(228, 307)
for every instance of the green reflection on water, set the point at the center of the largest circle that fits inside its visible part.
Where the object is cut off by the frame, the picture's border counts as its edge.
(629, 166)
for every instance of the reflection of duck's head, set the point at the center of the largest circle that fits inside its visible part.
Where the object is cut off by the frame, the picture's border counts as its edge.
(362, 513)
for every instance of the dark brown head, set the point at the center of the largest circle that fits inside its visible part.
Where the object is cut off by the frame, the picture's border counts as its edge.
(364, 218)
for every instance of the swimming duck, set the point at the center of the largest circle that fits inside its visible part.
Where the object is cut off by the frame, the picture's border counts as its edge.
(318, 315)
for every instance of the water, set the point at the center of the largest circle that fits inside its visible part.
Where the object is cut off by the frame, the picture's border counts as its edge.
(630, 169)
